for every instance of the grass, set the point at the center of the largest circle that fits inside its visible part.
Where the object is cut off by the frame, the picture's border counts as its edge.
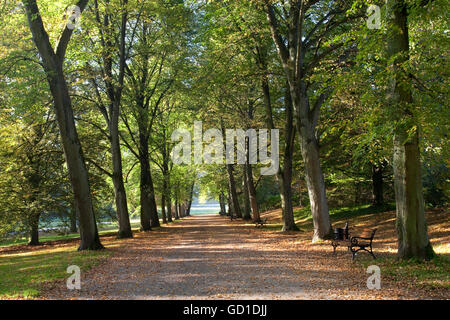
(303, 217)
(23, 273)
(105, 229)
(433, 274)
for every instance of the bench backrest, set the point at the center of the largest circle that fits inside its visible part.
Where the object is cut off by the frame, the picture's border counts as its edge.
(368, 233)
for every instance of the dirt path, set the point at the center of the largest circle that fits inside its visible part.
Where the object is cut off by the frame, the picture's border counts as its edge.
(209, 257)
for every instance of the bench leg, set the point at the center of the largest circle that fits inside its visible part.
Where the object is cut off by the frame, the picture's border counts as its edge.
(371, 252)
(334, 247)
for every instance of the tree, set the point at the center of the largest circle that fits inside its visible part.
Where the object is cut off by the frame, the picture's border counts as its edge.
(301, 31)
(412, 232)
(113, 88)
(53, 65)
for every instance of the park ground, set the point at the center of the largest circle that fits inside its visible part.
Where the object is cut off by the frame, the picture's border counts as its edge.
(211, 257)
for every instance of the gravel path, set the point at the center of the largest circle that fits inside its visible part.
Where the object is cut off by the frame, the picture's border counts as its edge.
(209, 257)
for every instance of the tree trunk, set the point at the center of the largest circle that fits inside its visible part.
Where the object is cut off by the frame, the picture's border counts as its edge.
(412, 231)
(230, 203)
(183, 209)
(123, 216)
(163, 208)
(191, 196)
(234, 197)
(316, 187)
(78, 174)
(223, 210)
(169, 209)
(73, 220)
(285, 174)
(247, 209)
(34, 230)
(252, 192)
(377, 184)
(147, 200)
(306, 122)
(292, 55)
(149, 211)
(177, 209)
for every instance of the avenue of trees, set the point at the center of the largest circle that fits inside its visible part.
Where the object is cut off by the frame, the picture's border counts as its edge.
(91, 92)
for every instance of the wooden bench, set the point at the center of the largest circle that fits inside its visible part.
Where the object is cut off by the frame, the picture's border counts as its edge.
(260, 222)
(354, 244)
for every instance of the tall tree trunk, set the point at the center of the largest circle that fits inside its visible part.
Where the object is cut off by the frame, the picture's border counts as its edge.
(149, 211)
(148, 202)
(230, 203)
(163, 208)
(306, 123)
(169, 209)
(177, 209)
(183, 210)
(73, 221)
(232, 187)
(285, 173)
(34, 230)
(78, 174)
(223, 210)
(377, 184)
(413, 241)
(252, 192)
(292, 56)
(247, 209)
(191, 198)
(123, 216)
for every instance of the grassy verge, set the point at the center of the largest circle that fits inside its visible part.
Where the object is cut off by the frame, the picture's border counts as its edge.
(22, 274)
(303, 217)
(105, 229)
(433, 274)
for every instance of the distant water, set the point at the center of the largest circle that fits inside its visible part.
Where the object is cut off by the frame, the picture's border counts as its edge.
(206, 208)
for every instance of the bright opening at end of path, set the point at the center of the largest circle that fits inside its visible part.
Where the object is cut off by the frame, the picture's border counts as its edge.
(204, 207)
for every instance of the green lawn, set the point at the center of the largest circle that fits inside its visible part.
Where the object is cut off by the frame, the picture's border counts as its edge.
(434, 274)
(21, 274)
(105, 229)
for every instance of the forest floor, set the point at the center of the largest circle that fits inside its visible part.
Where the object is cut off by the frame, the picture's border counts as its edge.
(211, 257)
